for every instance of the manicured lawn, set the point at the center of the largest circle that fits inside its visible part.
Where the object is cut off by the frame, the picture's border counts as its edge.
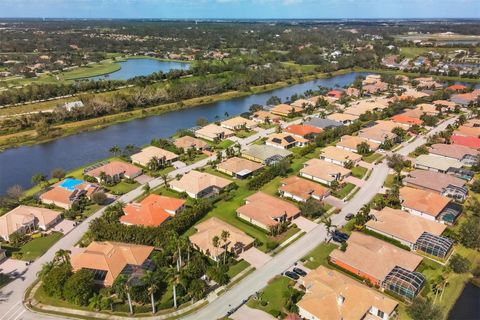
(318, 256)
(342, 193)
(271, 188)
(242, 134)
(37, 247)
(123, 187)
(273, 297)
(225, 144)
(390, 181)
(237, 268)
(372, 158)
(90, 209)
(359, 172)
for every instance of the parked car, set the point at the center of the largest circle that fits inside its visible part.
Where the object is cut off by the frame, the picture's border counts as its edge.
(292, 275)
(340, 237)
(300, 272)
(349, 216)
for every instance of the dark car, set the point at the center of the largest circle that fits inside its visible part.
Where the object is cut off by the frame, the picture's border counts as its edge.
(300, 272)
(292, 275)
(349, 216)
(340, 237)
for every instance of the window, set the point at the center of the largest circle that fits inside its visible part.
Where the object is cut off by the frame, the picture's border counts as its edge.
(380, 313)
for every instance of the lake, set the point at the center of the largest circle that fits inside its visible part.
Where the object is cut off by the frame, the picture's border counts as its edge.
(141, 67)
(18, 165)
(467, 306)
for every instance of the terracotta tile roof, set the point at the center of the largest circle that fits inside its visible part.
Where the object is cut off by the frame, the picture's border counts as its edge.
(351, 142)
(116, 168)
(323, 170)
(374, 256)
(335, 94)
(144, 156)
(303, 188)
(237, 165)
(285, 109)
(401, 118)
(474, 123)
(341, 117)
(212, 227)
(302, 129)
(187, 142)
(434, 181)
(25, 215)
(264, 208)
(454, 151)
(196, 181)
(424, 201)
(285, 139)
(212, 131)
(457, 87)
(445, 103)
(302, 103)
(403, 225)
(467, 131)
(471, 142)
(263, 115)
(151, 211)
(236, 122)
(437, 162)
(325, 286)
(338, 154)
(377, 133)
(111, 257)
(66, 196)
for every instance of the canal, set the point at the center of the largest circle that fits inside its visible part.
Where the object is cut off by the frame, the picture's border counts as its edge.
(467, 306)
(18, 165)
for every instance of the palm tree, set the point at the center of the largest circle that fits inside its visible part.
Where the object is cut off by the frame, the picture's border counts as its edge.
(62, 255)
(115, 150)
(216, 244)
(224, 236)
(328, 225)
(96, 301)
(129, 149)
(153, 164)
(151, 280)
(103, 176)
(46, 267)
(146, 188)
(122, 285)
(174, 276)
(165, 180)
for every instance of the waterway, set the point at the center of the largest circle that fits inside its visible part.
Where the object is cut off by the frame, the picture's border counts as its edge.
(467, 306)
(18, 165)
(141, 67)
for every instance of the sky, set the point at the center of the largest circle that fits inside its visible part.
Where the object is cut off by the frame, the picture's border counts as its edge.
(241, 9)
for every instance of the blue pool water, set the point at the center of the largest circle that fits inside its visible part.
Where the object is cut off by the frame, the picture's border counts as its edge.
(70, 183)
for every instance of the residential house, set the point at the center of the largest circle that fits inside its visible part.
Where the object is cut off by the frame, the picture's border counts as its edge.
(445, 184)
(109, 259)
(163, 157)
(381, 263)
(212, 132)
(334, 94)
(339, 156)
(344, 118)
(301, 190)
(333, 295)
(323, 171)
(238, 123)
(285, 140)
(265, 211)
(303, 131)
(65, 193)
(437, 163)
(467, 131)
(412, 231)
(263, 116)
(285, 110)
(187, 142)
(445, 104)
(377, 134)
(471, 142)
(406, 121)
(428, 205)
(265, 154)
(352, 92)
(302, 103)
(238, 167)
(350, 143)
(151, 211)
(323, 123)
(114, 171)
(23, 219)
(465, 99)
(457, 88)
(200, 184)
(473, 123)
(237, 242)
(465, 155)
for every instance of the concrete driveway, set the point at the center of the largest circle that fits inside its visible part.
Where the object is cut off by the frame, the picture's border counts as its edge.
(247, 313)
(304, 224)
(9, 266)
(334, 201)
(143, 179)
(64, 226)
(355, 181)
(255, 257)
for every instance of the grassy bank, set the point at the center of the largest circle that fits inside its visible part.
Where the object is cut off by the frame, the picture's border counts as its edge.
(30, 137)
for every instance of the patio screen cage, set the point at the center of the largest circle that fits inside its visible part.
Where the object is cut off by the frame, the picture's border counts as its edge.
(403, 282)
(437, 246)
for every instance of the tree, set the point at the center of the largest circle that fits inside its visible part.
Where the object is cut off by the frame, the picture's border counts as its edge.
(397, 162)
(459, 264)
(255, 107)
(312, 208)
(201, 122)
(174, 276)
(58, 174)
(224, 236)
(15, 192)
(469, 233)
(96, 301)
(363, 148)
(115, 150)
(423, 309)
(165, 180)
(151, 279)
(62, 256)
(99, 197)
(197, 289)
(273, 100)
(79, 288)
(46, 268)
(39, 178)
(329, 225)
(216, 244)
(122, 287)
(54, 281)
(146, 188)
(153, 164)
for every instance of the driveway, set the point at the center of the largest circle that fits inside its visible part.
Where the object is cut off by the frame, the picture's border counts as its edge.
(334, 201)
(355, 181)
(64, 226)
(304, 224)
(142, 179)
(247, 313)
(255, 257)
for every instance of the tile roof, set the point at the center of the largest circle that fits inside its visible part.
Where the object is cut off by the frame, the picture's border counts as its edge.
(212, 131)
(467, 131)
(302, 129)
(338, 154)
(285, 139)
(238, 165)
(424, 201)
(115, 168)
(351, 142)
(403, 225)
(151, 211)
(405, 119)
(432, 180)
(341, 117)
(323, 170)
(238, 122)
(187, 142)
(22, 215)
(471, 142)
(263, 115)
(303, 188)
(109, 256)
(437, 162)
(323, 123)
(265, 152)
(374, 256)
(264, 208)
(302, 103)
(454, 151)
(285, 109)
(66, 196)
(196, 181)
(144, 156)
(214, 226)
(325, 286)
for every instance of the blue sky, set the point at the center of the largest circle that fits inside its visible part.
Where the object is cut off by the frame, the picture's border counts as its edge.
(250, 9)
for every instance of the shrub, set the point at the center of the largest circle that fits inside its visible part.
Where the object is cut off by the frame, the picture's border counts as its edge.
(459, 264)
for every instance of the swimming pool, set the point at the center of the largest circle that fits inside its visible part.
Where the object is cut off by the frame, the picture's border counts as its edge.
(70, 183)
